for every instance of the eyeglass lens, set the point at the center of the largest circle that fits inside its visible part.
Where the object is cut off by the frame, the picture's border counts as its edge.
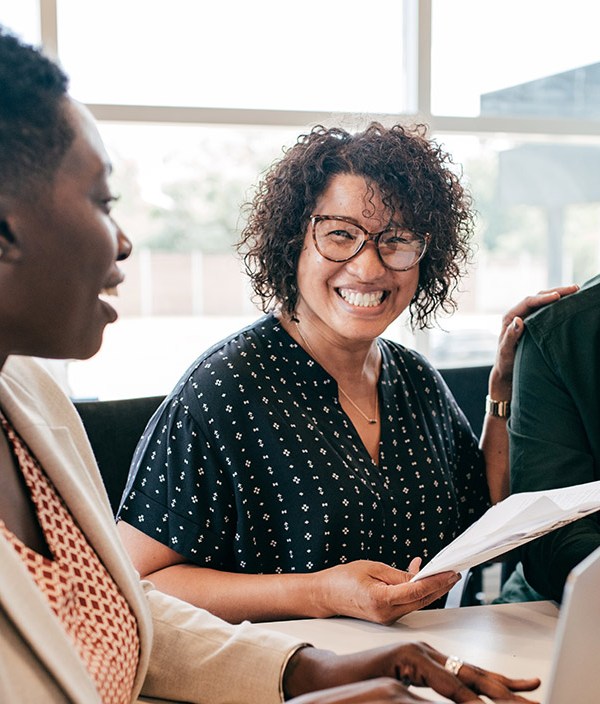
(339, 240)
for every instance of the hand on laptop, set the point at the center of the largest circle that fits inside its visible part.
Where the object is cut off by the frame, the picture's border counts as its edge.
(384, 675)
(383, 690)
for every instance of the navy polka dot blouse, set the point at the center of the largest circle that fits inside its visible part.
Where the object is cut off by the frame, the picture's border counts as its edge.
(251, 464)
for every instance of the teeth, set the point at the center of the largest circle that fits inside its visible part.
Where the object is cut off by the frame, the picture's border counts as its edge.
(112, 291)
(363, 300)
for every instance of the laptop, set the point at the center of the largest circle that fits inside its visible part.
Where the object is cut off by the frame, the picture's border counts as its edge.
(575, 672)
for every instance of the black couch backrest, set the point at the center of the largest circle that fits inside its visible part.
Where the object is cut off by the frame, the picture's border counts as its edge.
(114, 427)
(469, 386)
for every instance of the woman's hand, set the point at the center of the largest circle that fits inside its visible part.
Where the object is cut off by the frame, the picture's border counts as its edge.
(500, 386)
(374, 591)
(494, 438)
(363, 589)
(382, 690)
(419, 664)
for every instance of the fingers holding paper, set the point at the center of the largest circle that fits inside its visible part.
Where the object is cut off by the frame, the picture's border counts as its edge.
(512, 523)
(377, 592)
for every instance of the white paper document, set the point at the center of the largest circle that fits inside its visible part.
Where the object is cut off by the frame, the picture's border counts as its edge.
(513, 522)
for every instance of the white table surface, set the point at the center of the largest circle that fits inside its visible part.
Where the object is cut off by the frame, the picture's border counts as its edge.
(514, 639)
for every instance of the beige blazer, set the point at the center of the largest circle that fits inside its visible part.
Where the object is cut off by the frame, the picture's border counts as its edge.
(186, 654)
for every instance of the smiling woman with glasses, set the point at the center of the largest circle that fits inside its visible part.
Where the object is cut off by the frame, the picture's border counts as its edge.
(305, 465)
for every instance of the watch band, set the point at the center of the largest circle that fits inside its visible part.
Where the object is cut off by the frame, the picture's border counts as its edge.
(498, 409)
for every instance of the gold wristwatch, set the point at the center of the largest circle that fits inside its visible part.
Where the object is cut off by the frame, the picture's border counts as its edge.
(498, 409)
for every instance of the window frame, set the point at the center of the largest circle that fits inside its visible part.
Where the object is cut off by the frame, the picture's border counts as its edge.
(418, 47)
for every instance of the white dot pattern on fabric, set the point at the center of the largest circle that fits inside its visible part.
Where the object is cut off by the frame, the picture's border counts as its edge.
(252, 465)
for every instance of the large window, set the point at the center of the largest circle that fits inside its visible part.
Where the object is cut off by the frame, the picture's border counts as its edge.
(515, 57)
(264, 54)
(23, 17)
(195, 99)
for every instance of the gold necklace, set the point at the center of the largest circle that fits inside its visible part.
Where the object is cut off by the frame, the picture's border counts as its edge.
(370, 421)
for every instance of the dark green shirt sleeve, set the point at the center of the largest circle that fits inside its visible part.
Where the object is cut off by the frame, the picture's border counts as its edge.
(549, 448)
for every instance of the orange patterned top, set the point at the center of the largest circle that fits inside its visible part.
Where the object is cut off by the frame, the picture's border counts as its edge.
(80, 591)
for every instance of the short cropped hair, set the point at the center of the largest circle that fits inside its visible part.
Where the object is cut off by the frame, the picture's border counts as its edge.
(416, 181)
(34, 130)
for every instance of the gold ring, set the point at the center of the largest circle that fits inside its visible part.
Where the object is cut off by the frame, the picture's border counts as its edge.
(453, 664)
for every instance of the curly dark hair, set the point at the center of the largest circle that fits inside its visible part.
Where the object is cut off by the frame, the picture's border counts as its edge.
(34, 129)
(414, 178)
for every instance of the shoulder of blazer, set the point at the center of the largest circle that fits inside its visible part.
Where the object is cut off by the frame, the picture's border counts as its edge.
(48, 422)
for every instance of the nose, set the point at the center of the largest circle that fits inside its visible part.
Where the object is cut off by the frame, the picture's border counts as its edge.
(367, 264)
(124, 246)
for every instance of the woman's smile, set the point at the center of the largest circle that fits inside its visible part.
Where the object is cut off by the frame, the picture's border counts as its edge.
(360, 299)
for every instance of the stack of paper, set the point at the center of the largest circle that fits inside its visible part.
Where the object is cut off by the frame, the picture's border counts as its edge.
(513, 522)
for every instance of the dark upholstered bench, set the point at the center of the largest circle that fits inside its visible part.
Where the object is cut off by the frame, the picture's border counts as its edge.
(114, 428)
(469, 386)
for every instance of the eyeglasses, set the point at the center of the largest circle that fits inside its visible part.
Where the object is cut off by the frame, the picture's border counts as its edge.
(339, 239)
